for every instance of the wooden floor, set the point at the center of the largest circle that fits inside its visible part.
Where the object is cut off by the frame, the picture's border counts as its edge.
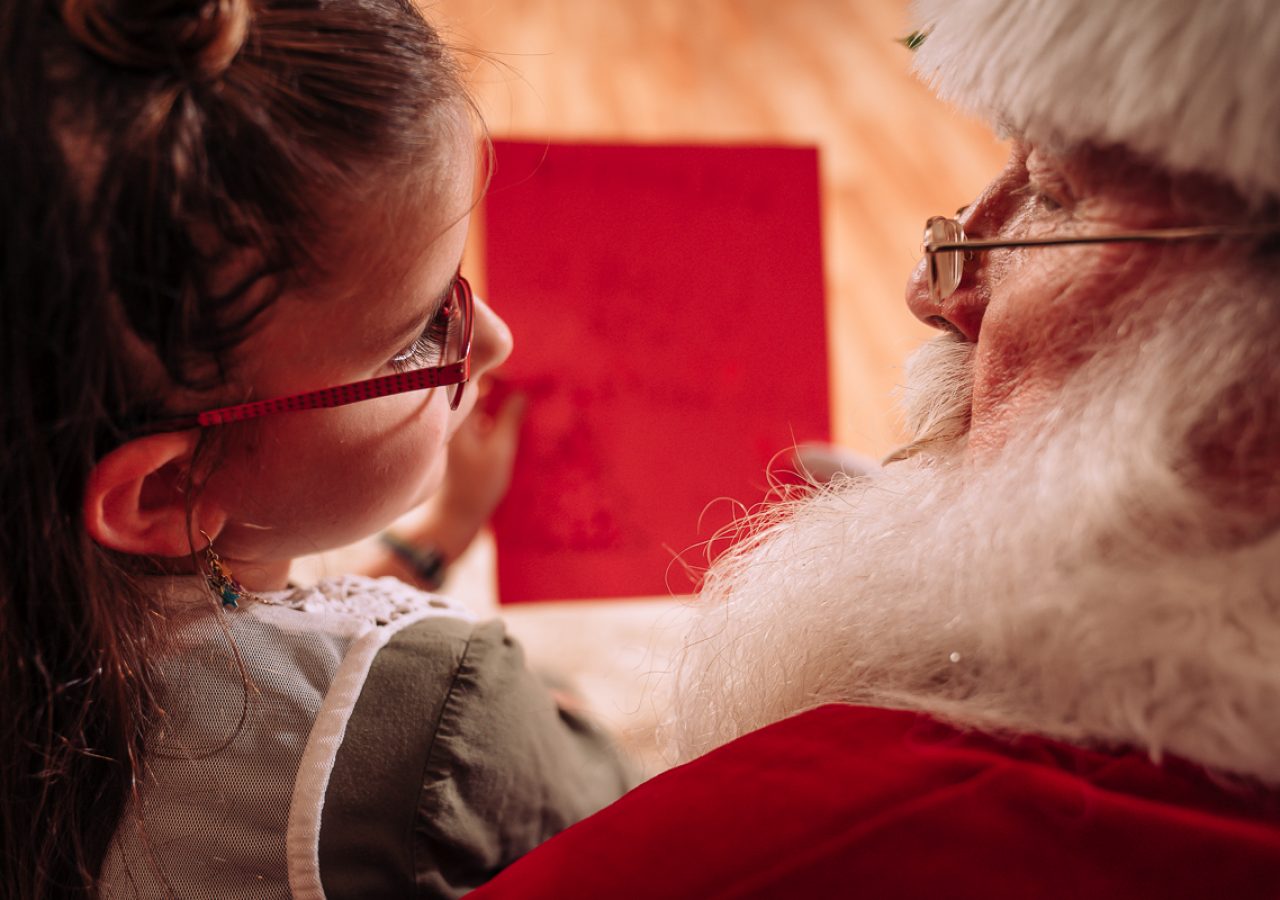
(820, 72)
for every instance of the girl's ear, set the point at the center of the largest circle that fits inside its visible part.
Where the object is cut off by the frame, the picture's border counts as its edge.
(136, 499)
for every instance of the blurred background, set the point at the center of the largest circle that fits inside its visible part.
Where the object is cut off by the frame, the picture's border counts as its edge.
(827, 73)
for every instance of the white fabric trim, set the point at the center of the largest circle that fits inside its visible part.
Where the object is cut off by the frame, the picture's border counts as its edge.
(302, 840)
(1191, 86)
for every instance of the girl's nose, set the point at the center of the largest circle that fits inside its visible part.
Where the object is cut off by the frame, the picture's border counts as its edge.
(491, 343)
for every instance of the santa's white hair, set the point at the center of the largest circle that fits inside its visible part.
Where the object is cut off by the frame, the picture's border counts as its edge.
(1103, 579)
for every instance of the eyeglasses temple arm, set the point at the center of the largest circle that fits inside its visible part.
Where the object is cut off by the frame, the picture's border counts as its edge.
(1164, 234)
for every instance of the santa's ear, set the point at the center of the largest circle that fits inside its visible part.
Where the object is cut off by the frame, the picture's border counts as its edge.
(136, 499)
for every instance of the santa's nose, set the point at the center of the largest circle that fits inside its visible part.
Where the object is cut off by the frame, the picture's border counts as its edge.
(961, 312)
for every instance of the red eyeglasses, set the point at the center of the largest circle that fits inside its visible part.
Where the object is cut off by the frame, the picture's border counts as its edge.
(450, 329)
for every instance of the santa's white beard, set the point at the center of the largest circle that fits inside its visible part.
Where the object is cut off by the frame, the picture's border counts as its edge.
(937, 396)
(1073, 584)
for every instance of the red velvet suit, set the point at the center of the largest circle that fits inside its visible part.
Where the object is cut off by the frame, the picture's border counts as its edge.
(848, 801)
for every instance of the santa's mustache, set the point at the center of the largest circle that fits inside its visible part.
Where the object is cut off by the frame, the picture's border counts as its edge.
(937, 396)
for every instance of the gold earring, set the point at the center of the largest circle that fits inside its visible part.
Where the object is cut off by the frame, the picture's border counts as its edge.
(220, 579)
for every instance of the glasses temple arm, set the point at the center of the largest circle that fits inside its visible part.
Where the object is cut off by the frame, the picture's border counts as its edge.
(1164, 234)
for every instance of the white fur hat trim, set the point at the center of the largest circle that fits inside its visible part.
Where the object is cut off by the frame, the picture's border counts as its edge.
(1192, 85)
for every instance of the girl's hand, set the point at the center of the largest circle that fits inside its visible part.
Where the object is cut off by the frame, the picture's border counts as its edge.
(482, 455)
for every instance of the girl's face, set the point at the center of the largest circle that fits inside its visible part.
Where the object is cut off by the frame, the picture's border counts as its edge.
(301, 482)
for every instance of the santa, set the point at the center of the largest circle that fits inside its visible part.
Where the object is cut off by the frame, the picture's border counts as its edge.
(1037, 654)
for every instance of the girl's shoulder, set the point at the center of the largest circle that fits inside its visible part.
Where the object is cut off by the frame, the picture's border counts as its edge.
(259, 704)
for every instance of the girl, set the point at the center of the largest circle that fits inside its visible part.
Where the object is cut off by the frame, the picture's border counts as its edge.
(234, 333)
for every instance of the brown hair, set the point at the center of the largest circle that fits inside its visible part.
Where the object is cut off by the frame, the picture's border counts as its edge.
(147, 149)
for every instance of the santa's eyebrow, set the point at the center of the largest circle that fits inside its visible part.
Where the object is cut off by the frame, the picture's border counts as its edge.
(1044, 166)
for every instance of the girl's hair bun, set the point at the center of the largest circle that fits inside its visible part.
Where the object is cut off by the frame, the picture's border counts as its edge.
(194, 38)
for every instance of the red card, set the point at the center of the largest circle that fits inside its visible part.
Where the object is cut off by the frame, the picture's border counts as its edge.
(667, 305)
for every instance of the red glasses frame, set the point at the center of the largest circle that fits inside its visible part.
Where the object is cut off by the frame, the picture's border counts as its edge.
(456, 373)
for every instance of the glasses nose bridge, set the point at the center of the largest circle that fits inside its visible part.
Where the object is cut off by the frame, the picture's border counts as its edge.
(984, 217)
(944, 268)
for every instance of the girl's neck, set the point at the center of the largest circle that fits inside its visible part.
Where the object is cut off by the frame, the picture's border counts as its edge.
(269, 575)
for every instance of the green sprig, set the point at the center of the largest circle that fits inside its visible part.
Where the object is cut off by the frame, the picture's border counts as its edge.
(913, 41)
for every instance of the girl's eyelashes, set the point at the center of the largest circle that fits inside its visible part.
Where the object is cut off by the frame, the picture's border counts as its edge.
(427, 348)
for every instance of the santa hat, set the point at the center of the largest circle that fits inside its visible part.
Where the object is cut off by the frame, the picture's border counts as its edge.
(1191, 85)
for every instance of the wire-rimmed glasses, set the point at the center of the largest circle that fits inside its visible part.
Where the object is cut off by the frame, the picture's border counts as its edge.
(946, 246)
(454, 322)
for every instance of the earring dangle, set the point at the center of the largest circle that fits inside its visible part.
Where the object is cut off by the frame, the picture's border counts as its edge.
(220, 579)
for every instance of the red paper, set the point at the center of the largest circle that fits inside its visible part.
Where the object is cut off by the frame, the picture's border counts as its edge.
(667, 305)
